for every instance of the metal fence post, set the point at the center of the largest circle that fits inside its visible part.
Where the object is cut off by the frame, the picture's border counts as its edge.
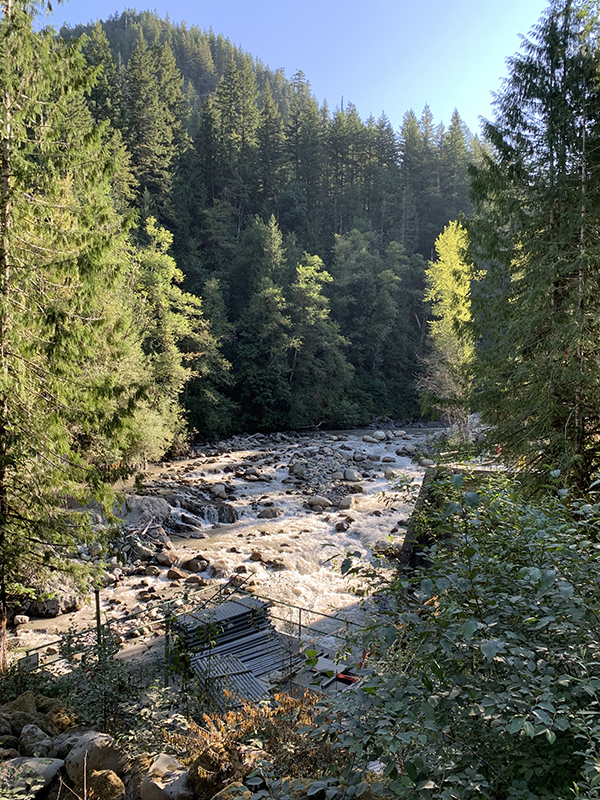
(98, 624)
(167, 647)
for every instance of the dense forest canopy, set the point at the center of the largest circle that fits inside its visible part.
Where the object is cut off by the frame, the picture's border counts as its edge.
(304, 231)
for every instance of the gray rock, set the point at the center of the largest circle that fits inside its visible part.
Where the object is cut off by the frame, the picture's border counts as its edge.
(270, 513)
(26, 777)
(370, 439)
(388, 460)
(379, 436)
(352, 475)
(21, 619)
(166, 780)
(5, 729)
(345, 503)
(66, 741)
(166, 557)
(95, 549)
(137, 511)
(389, 473)
(35, 742)
(102, 753)
(141, 551)
(318, 500)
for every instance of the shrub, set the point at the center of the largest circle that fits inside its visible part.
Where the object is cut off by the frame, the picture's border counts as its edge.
(485, 678)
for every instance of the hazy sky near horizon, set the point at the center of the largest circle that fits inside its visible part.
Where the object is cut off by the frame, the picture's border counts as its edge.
(383, 56)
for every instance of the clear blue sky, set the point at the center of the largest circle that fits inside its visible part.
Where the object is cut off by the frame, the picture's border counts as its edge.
(381, 55)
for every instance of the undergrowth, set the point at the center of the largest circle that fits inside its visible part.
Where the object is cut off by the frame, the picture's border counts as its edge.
(484, 680)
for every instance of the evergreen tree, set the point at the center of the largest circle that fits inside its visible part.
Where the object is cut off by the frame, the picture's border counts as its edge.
(319, 373)
(536, 309)
(58, 234)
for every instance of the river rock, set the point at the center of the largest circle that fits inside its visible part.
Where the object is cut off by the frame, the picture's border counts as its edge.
(53, 605)
(195, 564)
(319, 500)
(219, 490)
(389, 473)
(166, 557)
(141, 551)
(379, 436)
(5, 729)
(166, 780)
(35, 742)
(5, 755)
(21, 619)
(26, 777)
(137, 510)
(388, 460)
(175, 574)
(270, 513)
(345, 503)
(370, 439)
(196, 580)
(352, 475)
(102, 751)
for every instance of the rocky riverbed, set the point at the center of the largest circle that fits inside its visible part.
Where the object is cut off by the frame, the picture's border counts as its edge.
(277, 513)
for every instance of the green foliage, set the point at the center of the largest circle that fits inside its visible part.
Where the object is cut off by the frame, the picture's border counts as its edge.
(489, 683)
(446, 382)
(264, 152)
(534, 238)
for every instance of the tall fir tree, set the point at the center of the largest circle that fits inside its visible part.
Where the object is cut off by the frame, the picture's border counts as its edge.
(58, 234)
(538, 210)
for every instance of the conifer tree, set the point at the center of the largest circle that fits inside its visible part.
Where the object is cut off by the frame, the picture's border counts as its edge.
(58, 234)
(535, 237)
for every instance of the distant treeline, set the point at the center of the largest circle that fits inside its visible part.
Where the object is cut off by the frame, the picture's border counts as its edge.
(304, 231)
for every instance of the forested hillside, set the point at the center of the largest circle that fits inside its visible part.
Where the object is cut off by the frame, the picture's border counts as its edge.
(303, 230)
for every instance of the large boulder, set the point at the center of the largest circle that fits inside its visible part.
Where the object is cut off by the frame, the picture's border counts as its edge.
(99, 751)
(138, 510)
(24, 702)
(56, 711)
(35, 742)
(66, 741)
(26, 777)
(19, 719)
(318, 500)
(5, 729)
(166, 780)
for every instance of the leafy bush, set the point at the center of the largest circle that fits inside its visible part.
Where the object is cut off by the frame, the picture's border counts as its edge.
(485, 680)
